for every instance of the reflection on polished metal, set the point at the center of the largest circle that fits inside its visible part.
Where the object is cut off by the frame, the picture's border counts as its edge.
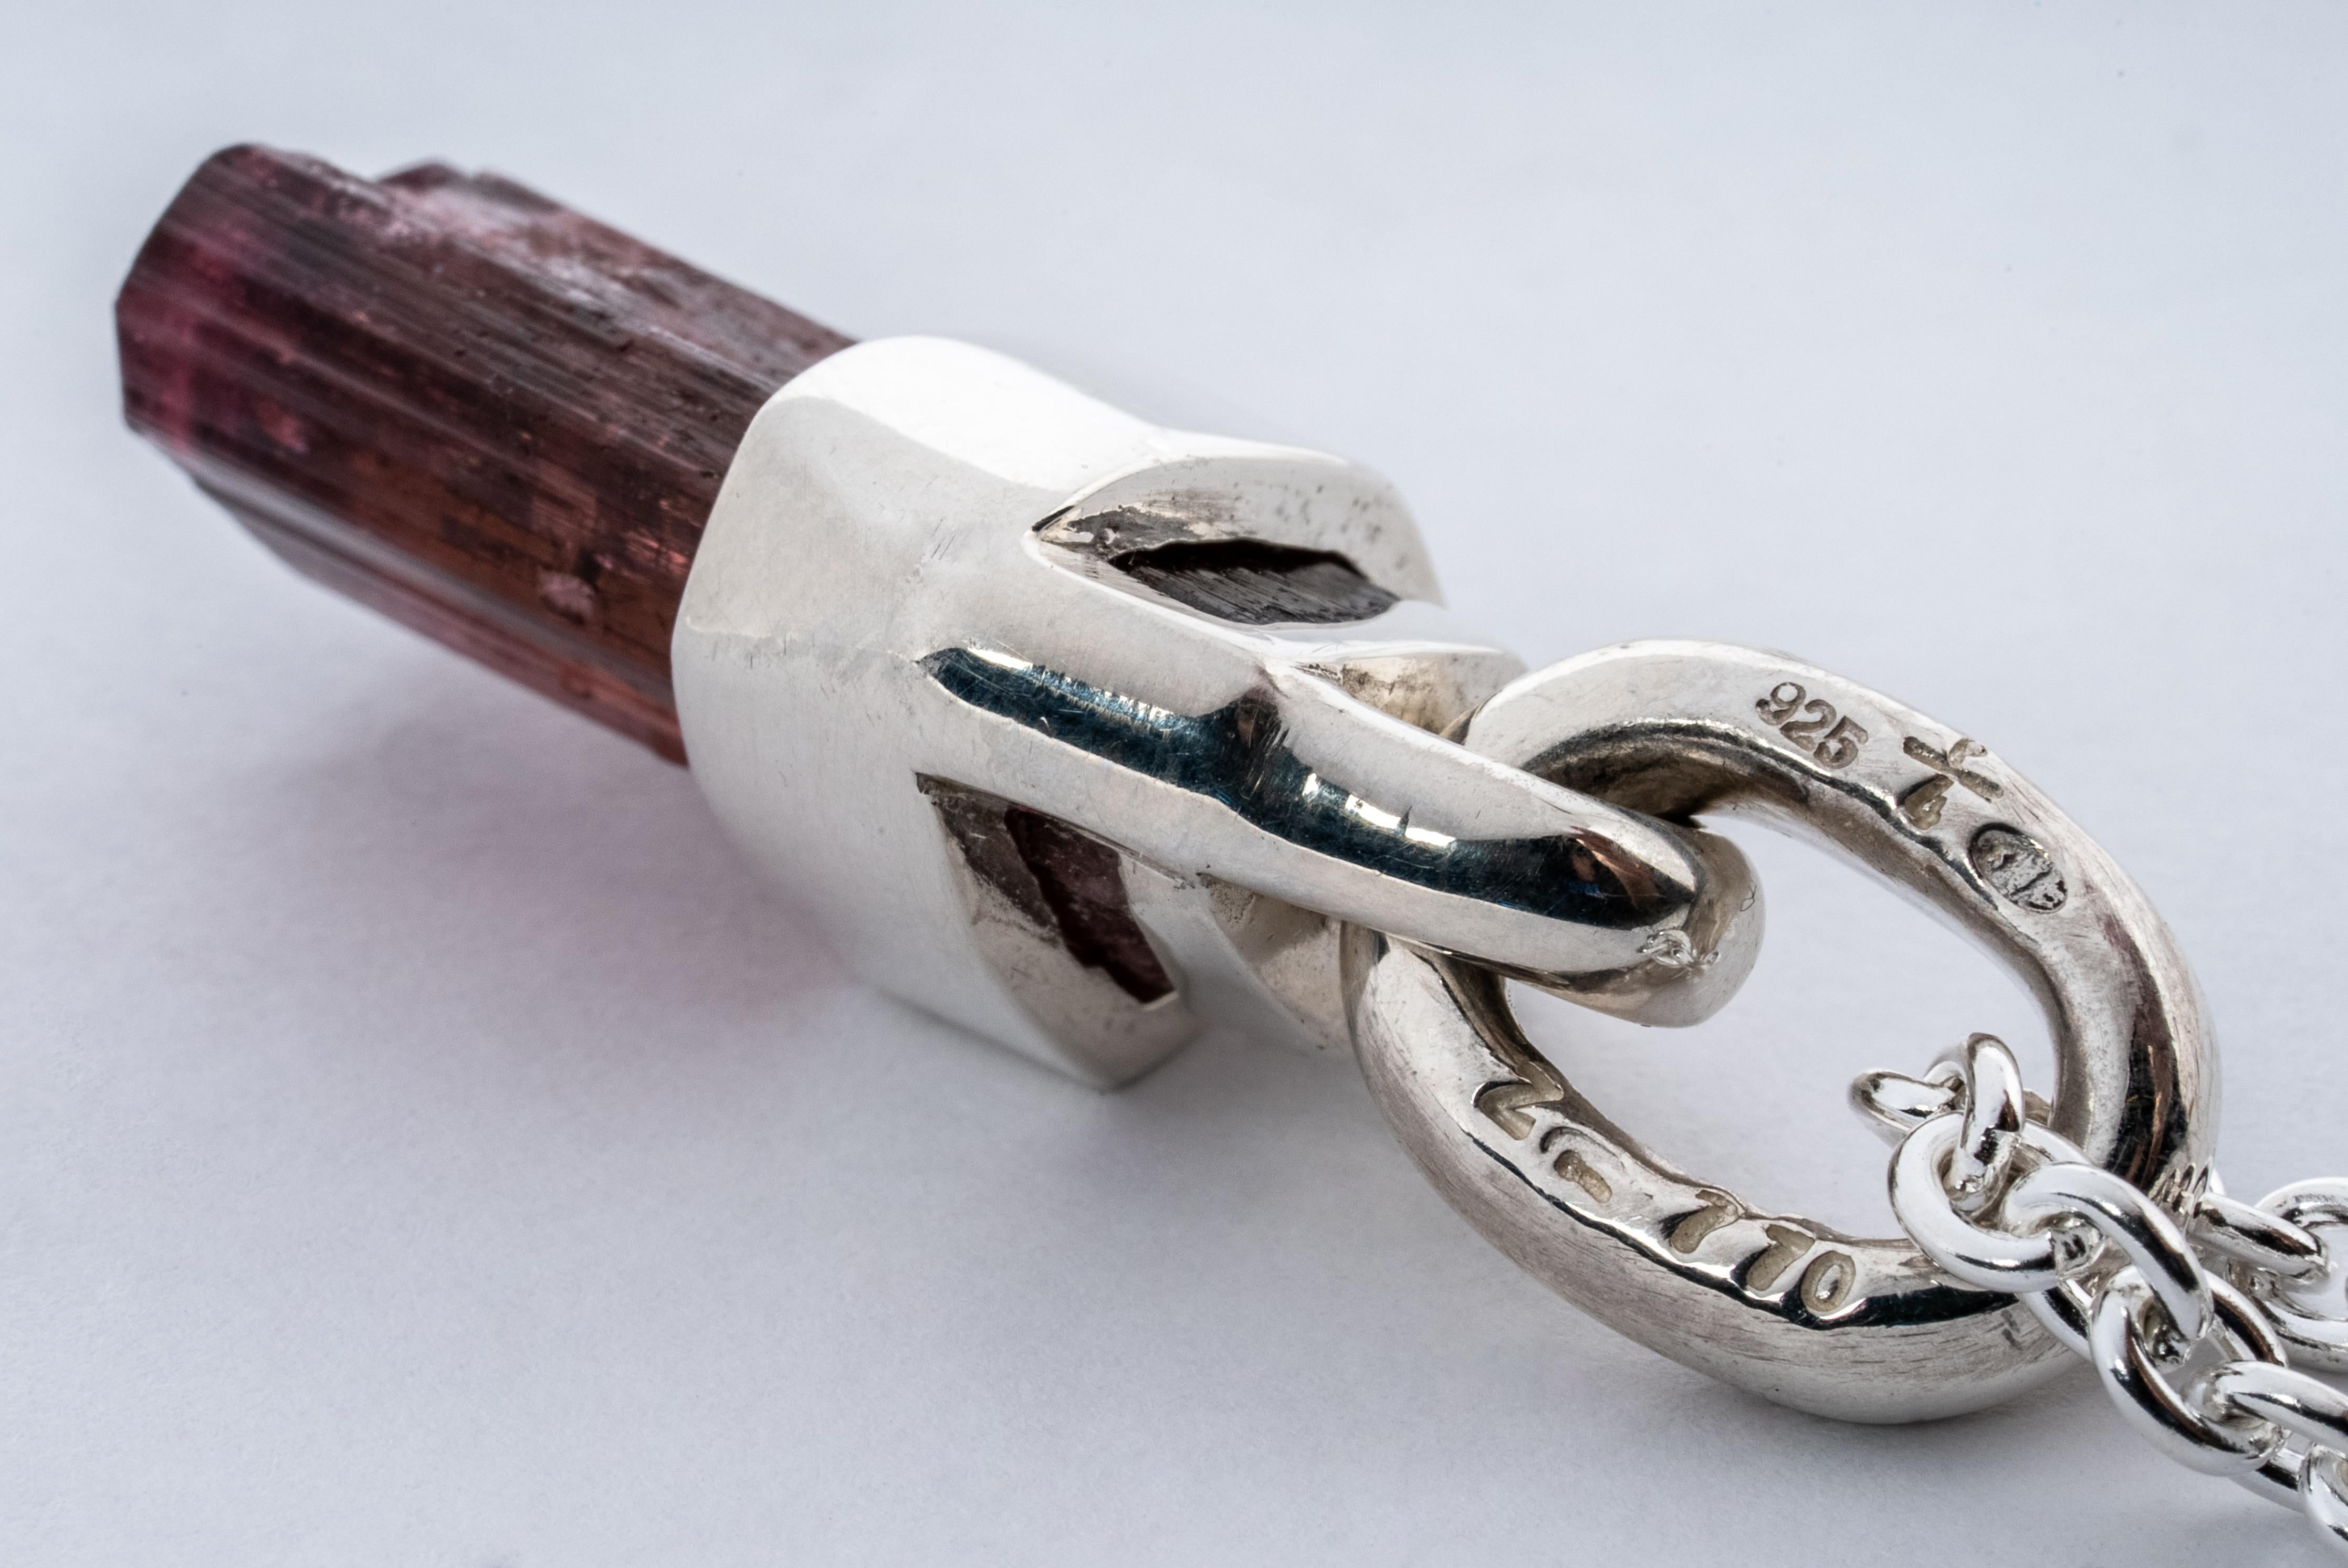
(952, 621)
(1866, 1329)
(1084, 732)
(2180, 1308)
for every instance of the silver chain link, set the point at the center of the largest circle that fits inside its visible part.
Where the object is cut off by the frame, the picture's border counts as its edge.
(2192, 1320)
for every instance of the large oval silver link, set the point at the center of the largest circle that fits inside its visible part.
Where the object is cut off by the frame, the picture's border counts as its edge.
(1856, 1327)
(1681, 729)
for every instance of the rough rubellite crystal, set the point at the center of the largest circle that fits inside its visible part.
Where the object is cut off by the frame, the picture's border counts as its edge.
(488, 417)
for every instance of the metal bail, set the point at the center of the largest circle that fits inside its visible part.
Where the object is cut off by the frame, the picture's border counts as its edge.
(1078, 730)
(1859, 1328)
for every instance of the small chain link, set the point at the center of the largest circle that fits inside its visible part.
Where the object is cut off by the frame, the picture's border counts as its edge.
(2192, 1320)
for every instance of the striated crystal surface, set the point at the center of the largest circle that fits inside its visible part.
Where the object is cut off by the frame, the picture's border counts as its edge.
(487, 416)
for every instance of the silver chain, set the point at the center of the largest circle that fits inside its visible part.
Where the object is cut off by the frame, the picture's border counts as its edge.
(2192, 1315)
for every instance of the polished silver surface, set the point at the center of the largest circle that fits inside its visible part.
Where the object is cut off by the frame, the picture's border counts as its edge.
(1923, 1201)
(2324, 1494)
(2183, 1314)
(1085, 732)
(2128, 1342)
(2305, 1299)
(2129, 1222)
(2297, 1407)
(2246, 1232)
(952, 621)
(1996, 1109)
(2265, 1389)
(1863, 1329)
(1682, 729)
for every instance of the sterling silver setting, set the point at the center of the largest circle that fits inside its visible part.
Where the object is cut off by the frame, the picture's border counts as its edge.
(1865, 1329)
(899, 606)
(1085, 735)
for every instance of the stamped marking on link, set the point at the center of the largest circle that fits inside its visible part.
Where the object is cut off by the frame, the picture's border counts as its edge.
(1827, 1283)
(2012, 862)
(1508, 1104)
(1786, 1248)
(1719, 1209)
(1825, 1286)
(1812, 722)
(2019, 867)
(1921, 805)
(1571, 1165)
(1849, 1326)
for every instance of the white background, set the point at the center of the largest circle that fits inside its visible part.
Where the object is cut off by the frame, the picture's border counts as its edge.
(421, 1143)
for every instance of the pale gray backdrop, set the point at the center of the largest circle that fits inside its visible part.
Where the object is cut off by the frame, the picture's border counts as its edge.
(421, 1144)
